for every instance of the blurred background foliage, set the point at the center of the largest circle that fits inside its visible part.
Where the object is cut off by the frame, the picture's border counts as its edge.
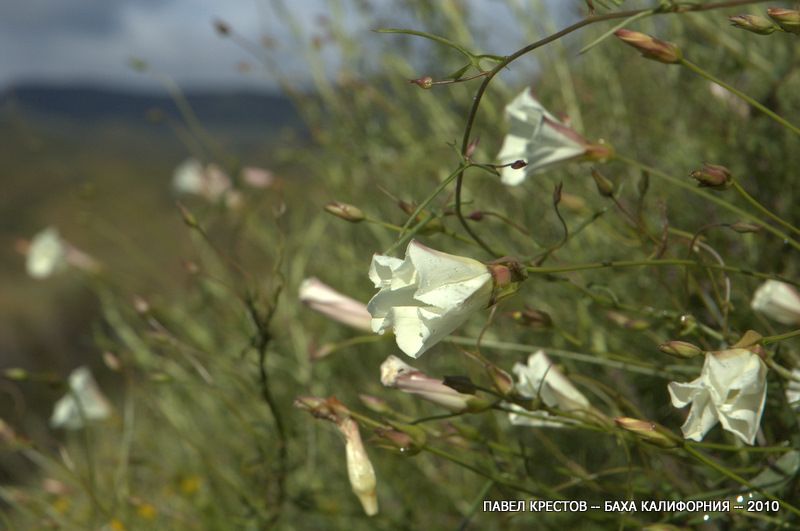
(192, 443)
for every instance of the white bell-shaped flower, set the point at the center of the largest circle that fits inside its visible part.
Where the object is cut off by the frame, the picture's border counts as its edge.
(779, 301)
(540, 379)
(536, 137)
(731, 389)
(83, 402)
(426, 296)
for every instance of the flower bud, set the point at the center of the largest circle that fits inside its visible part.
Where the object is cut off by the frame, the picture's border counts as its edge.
(680, 349)
(424, 82)
(475, 216)
(518, 164)
(627, 322)
(399, 375)
(359, 467)
(345, 211)
(647, 431)
(329, 302)
(712, 176)
(604, 186)
(650, 47)
(502, 381)
(375, 404)
(397, 440)
(787, 19)
(753, 24)
(742, 227)
(536, 319)
(188, 217)
(16, 373)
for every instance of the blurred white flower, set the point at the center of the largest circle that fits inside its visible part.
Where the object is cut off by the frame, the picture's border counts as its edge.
(779, 301)
(731, 389)
(83, 402)
(540, 379)
(359, 467)
(324, 299)
(399, 375)
(257, 177)
(426, 296)
(46, 254)
(210, 182)
(540, 139)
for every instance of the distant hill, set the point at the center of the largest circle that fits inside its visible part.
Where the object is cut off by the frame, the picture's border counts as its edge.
(93, 104)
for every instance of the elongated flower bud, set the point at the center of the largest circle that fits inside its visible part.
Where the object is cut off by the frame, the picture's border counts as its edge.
(647, 431)
(344, 211)
(359, 467)
(787, 19)
(650, 47)
(753, 24)
(680, 349)
(604, 186)
(399, 375)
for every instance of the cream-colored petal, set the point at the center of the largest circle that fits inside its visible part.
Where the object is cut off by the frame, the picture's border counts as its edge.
(702, 417)
(779, 301)
(47, 254)
(681, 394)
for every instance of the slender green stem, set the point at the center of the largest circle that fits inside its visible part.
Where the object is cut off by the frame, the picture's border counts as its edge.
(749, 449)
(739, 479)
(764, 210)
(699, 71)
(656, 263)
(780, 337)
(709, 197)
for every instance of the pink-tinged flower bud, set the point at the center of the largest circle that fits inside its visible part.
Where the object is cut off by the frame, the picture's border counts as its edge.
(324, 299)
(650, 47)
(604, 187)
(359, 467)
(425, 82)
(753, 24)
(257, 177)
(624, 321)
(373, 403)
(647, 431)
(398, 441)
(787, 19)
(399, 375)
(502, 381)
(476, 216)
(345, 211)
(712, 176)
(680, 349)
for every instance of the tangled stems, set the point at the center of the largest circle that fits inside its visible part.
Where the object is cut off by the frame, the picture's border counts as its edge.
(710, 197)
(657, 263)
(752, 102)
(764, 210)
(476, 100)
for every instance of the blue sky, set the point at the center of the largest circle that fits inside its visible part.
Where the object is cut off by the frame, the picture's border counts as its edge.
(92, 41)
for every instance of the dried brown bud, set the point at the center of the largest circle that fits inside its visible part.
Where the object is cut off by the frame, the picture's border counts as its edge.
(650, 47)
(425, 82)
(787, 19)
(536, 319)
(222, 27)
(712, 176)
(753, 24)
(518, 164)
(475, 216)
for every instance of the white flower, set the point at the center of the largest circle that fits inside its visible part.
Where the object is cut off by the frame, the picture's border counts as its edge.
(46, 254)
(731, 389)
(257, 177)
(793, 390)
(426, 296)
(540, 379)
(324, 299)
(83, 402)
(359, 467)
(191, 177)
(399, 375)
(538, 138)
(779, 301)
